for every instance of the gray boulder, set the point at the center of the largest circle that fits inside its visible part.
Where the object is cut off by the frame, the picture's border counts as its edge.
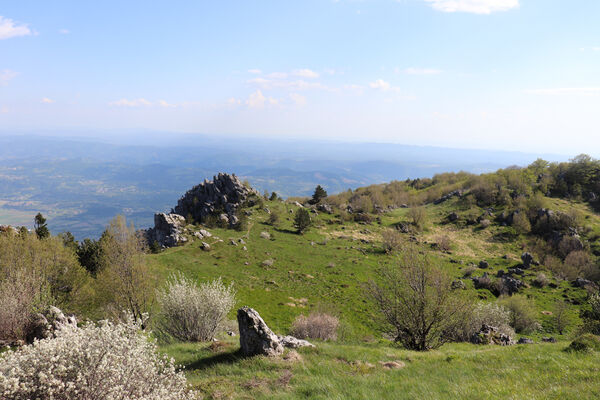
(257, 339)
(44, 325)
(255, 336)
(294, 343)
(326, 208)
(167, 231)
(491, 335)
(525, 340)
(527, 259)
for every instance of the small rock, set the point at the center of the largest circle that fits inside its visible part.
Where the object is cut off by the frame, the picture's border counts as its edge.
(265, 235)
(392, 364)
(525, 340)
(549, 340)
(483, 264)
(205, 246)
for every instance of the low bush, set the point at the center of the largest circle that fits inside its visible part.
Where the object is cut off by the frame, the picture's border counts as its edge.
(490, 314)
(585, 343)
(392, 240)
(541, 280)
(106, 361)
(194, 313)
(316, 326)
(522, 313)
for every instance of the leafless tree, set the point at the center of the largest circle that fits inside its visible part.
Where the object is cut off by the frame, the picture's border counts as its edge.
(416, 300)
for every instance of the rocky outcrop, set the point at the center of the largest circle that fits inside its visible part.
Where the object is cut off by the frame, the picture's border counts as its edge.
(256, 338)
(491, 335)
(43, 325)
(220, 197)
(167, 231)
(455, 193)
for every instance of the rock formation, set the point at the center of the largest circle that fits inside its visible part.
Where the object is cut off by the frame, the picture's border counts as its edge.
(44, 325)
(222, 197)
(491, 335)
(256, 338)
(167, 231)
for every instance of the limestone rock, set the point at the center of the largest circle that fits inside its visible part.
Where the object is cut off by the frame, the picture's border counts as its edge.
(490, 335)
(167, 231)
(43, 325)
(222, 196)
(294, 343)
(256, 338)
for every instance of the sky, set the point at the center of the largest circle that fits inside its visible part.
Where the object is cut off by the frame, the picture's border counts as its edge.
(496, 74)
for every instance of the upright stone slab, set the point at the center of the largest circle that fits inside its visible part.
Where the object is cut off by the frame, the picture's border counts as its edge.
(255, 336)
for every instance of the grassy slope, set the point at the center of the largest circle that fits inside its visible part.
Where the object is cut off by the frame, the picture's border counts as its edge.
(339, 371)
(330, 273)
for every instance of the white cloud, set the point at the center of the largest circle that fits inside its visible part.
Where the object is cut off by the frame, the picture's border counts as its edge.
(256, 100)
(420, 71)
(298, 99)
(473, 6)
(232, 101)
(286, 84)
(561, 91)
(9, 28)
(255, 71)
(64, 31)
(131, 103)
(46, 100)
(259, 100)
(163, 103)
(6, 75)
(380, 84)
(305, 73)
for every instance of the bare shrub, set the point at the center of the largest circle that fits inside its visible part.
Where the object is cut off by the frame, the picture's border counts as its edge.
(106, 361)
(579, 264)
(194, 313)
(392, 240)
(418, 217)
(541, 280)
(561, 318)
(491, 314)
(316, 326)
(443, 243)
(522, 313)
(521, 222)
(417, 302)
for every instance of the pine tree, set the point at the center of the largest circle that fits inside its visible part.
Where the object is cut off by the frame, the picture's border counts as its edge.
(302, 220)
(319, 194)
(41, 228)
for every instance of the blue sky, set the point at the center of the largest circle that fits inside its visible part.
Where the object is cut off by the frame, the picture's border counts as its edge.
(503, 74)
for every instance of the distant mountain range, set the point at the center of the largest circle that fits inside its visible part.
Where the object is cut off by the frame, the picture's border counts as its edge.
(80, 183)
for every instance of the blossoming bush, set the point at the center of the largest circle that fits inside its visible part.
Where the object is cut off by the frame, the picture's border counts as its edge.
(107, 361)
(194, 313)
(316, 326)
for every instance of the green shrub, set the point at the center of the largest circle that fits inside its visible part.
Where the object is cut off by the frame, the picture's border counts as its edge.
(585, 343)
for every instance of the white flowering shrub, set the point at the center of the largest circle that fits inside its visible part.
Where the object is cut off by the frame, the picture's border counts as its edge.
(194, 313)
(107, 361)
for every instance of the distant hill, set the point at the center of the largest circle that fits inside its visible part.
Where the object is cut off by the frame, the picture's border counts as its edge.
(79, 183)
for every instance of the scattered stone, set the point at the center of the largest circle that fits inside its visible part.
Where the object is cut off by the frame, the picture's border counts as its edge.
(267, 263)
(457, 193)
(453, 217)
(298, 204)
(245, 248)
(458, 284)
(403, 205)
(326, 208)
(525, 340)
(483, 264)
(242, 241)
(490, 335)
(205, 233)
(294, 343)
(231, 333)
(392, 364)
(582, 283)
(548, 339)
(233, 242)
(265, 235)
(511, 285)
(205, 246)
(527, 259)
